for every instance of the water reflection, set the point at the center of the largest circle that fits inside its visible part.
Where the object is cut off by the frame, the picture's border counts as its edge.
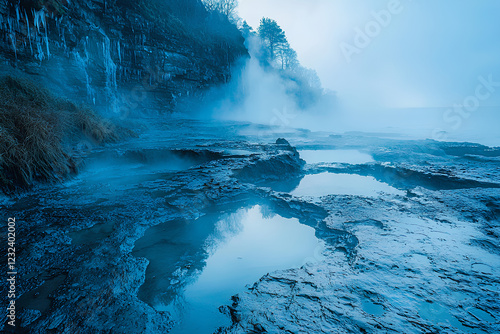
(192, 273)
(340, 156)
(323, 184)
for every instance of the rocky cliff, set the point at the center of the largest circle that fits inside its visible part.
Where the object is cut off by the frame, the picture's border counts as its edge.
(119, 54)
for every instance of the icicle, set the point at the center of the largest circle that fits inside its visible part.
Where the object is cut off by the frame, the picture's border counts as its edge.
(47, 42)
(42, 16)
(35, 19)
(109, 65)
(119, 51)
(9, 24)
(85, 47)
(17, 14)
(38, 19)
(29, 33)
(12, 36)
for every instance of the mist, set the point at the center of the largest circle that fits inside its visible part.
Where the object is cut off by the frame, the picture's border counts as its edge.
(244, 166)
(409, 67)
(259, 93)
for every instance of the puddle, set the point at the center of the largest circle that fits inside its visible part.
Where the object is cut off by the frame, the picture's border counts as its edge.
(195, 267)
(372, 308)
(38, 299)
(481, 315)
(323, 184)
(339, 156)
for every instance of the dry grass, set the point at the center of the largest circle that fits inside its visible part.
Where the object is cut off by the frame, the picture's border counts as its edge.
(37, 131)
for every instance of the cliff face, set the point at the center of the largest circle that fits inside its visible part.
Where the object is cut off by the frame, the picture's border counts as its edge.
(119, 54)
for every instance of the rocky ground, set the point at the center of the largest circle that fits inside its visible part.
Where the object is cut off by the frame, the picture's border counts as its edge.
(422, 260)
(425, 262)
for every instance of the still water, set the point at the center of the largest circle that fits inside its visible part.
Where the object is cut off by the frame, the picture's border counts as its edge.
(196, 267)
(323, 184)
(335, 156)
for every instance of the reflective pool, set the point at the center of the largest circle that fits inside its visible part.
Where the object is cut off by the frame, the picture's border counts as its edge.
(195, 267)
(323, 184)
(339, 156)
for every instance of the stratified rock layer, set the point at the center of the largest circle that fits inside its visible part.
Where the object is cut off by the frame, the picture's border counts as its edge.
(121, 55)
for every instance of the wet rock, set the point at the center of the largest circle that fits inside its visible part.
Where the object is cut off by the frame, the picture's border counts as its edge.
(422, 261)
(418, 262)
(27, 316)
(284, 165)
(282, 141)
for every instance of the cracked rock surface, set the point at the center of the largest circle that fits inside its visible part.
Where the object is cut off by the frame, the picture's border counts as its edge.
(421, 259)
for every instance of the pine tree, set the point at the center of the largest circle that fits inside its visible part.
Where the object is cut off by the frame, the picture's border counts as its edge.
(272, 35)
(246, 29)
(286, 56)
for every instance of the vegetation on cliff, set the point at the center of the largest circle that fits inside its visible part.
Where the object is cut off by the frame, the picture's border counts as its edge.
(97, 52)
(38, 132)
(208, 31)
(273, 50)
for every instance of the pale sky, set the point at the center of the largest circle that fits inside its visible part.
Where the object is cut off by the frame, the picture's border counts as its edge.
(428, 53)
